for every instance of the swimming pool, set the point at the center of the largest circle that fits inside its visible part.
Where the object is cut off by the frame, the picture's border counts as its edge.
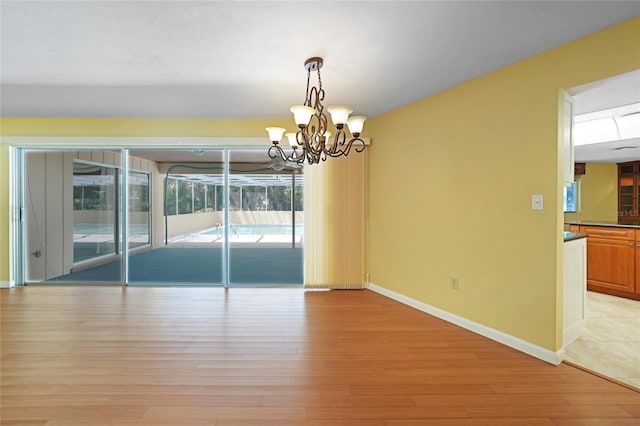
(107, 229)
(257, 229)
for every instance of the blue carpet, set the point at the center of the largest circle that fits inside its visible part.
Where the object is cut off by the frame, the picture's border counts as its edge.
(202, 266)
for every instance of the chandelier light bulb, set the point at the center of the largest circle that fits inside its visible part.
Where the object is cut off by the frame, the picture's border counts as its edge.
(327, 139)
(340, 114)
(293, 141)
(275, 134)
(355, 124)
(302, 114)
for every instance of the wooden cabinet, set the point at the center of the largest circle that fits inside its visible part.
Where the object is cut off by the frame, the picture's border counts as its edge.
(629, 192)
(611, 264)
(609, 232)
(613, 260)
(637, 270)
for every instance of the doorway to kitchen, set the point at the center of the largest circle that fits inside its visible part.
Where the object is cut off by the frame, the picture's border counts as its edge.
(607, 133)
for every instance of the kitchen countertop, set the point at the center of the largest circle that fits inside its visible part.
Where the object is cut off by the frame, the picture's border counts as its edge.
(570, 236)
(603, 223)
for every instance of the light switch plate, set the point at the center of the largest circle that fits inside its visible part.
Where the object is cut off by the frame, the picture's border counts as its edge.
(537, 202)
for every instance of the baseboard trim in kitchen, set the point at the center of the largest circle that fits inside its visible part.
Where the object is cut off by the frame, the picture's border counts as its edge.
(516, 343)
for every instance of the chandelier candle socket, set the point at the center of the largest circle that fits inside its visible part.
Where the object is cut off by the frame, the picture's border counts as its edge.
(312, 142)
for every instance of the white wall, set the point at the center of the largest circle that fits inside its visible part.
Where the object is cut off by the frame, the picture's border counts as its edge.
(188, 223)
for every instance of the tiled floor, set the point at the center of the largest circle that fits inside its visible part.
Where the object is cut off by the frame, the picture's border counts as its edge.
(609, 343)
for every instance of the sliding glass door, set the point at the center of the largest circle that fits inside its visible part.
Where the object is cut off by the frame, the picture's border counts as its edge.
(187, 206)
(193, 217)
(266, 223)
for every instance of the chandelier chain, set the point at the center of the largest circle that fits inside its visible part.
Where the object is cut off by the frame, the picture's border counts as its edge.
(307, 100)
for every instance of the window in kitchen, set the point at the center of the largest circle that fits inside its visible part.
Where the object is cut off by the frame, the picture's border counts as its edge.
(571, 197)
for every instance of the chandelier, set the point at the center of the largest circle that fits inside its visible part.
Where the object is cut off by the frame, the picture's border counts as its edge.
(312, 142)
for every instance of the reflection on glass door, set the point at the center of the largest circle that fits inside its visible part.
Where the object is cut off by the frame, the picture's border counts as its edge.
(95, 211)
(71, 216)
(139, 198)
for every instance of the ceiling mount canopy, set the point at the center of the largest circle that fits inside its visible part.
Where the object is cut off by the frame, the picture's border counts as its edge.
(313, 142)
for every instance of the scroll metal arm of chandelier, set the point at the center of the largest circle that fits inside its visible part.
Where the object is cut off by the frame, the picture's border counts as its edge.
(337, 148)
(296, 156)
(275, 151)
(359, 147)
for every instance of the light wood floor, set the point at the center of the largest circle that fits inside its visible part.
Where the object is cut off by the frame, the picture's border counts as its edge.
(186, 356)
(609, 341)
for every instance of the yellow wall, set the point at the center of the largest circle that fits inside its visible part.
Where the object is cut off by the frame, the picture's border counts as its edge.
(139, 127)
(450, 184)
(598, 194)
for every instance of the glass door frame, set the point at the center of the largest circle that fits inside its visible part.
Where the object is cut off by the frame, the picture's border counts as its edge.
(19, 184)
(19, 229)
(19, 187)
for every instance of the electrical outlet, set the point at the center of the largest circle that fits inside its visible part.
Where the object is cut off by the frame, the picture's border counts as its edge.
(455, 283)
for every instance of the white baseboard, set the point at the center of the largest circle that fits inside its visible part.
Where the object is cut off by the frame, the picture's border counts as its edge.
(7, 284)
(543, 354)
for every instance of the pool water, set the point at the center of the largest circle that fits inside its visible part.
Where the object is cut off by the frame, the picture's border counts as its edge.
(107, 229)
(257, 229)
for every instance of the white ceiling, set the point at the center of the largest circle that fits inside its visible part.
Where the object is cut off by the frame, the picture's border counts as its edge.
(613, 92)
(224, 59)
(623, 89)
